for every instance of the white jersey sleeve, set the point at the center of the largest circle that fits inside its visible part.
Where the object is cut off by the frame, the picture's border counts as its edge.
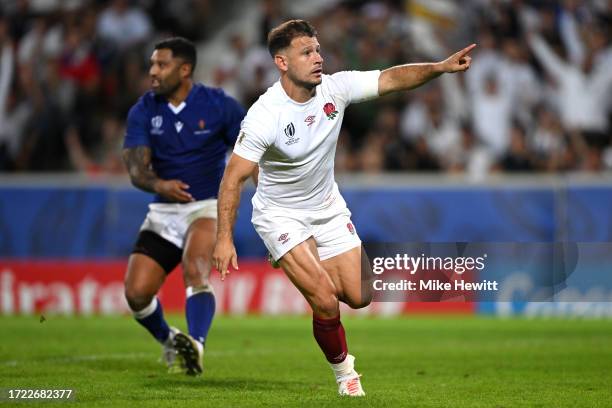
(255, 135)
(355, 86)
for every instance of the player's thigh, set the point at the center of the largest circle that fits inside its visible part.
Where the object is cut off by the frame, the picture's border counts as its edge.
(341, 251)
(143, 279)
(350, 273)
(197, 254)
(152, 259)
(302, 266)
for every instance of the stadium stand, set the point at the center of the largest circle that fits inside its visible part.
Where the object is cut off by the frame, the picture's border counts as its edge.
(536, 100)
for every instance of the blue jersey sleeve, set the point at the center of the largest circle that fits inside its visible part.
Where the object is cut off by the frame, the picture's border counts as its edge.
(137, 132)
(234, 114)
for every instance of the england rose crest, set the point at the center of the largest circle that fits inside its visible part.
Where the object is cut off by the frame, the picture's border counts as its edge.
(330, 110)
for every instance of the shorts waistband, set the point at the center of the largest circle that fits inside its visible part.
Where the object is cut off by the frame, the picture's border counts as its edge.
(182, 206)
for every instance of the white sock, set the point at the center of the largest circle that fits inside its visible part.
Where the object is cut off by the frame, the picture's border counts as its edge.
(194, 290)
(147, 311)
(344, 368)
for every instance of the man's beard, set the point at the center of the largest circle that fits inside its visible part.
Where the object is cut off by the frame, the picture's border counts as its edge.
(166, 90)
(304, 84)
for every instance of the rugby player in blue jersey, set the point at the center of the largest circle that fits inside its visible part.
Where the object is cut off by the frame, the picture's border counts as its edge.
(175, 146)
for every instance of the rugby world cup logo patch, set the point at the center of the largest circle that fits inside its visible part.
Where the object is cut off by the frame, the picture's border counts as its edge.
(156, 125)
(290, 133)
(157, 121)
(330, 110)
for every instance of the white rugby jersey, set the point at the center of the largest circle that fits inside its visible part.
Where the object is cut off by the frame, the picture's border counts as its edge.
(295, 143)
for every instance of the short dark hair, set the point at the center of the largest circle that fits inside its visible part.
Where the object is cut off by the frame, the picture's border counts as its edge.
(181, 48)
(280, 37)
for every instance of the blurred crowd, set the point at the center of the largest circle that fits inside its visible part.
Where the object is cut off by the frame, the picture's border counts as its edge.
(71, 69)
(537, 98)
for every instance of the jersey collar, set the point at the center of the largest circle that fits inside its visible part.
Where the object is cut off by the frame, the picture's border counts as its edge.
(177, 109)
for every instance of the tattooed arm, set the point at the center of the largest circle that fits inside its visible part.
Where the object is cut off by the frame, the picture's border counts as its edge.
(138, 162)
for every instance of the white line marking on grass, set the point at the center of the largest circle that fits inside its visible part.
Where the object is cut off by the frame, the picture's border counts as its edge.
(76, 359)
(126, 356)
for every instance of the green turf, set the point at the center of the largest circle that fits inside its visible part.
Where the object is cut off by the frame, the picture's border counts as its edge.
(419, 362)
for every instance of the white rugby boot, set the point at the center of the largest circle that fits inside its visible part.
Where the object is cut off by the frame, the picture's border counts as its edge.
(351, 387)
(349, 383)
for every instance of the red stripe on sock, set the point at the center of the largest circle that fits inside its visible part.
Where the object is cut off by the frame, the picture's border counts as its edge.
(331, 338)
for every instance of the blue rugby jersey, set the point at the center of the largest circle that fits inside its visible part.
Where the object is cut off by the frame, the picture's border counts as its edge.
(188, 142)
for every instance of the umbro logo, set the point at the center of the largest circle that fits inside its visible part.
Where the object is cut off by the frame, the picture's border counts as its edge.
(283, 238)
(290, 133)
(310, 120)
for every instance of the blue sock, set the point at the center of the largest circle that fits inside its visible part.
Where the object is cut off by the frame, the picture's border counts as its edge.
(152, 318)
(199, 310)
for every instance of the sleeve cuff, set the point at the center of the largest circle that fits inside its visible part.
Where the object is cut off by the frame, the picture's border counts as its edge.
(245, 154)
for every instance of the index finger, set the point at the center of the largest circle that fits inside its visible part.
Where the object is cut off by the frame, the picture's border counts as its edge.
(466, 50)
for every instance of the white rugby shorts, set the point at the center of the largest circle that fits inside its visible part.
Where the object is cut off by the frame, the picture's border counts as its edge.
(172, 220)
(282, 229)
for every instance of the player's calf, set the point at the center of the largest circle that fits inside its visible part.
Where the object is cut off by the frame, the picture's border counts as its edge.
(200, 302)
(359, 301)
(152, 318)
(359, 304)
(330, 335)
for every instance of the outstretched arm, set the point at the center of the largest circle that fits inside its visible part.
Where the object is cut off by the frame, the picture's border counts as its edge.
(238, 170)
(553, 65)
(410, 76)
(138, 162)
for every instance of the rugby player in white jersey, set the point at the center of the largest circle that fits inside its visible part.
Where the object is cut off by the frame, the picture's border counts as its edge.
(291, 132)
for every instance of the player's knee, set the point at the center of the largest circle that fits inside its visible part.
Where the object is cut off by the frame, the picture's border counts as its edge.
(325, 304)
(138, 297)
(196, 270)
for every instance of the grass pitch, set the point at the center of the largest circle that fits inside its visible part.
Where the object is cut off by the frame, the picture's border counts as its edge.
(252, 361)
